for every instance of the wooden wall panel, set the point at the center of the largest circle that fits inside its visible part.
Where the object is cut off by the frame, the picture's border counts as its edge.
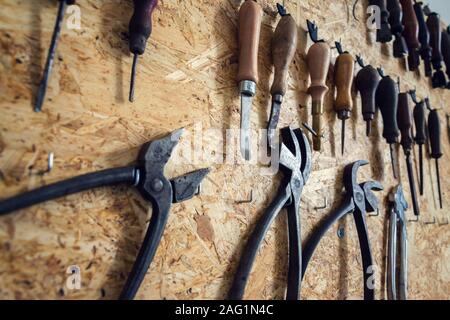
(186, 79)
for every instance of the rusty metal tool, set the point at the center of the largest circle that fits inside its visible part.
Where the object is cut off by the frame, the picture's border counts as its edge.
(140, 29)
(250, 15)
(397, 290)
(359, 200)
(51, 54)
(421, 134)
(424, 39)
(295, 164)
(387, 100)
(148, 177)
(411, 34)
(384, 34)
(397, 28)
(446, 51)
(284, 45)
(434, 134)
(318, 60)
(343, 79)
(366, 82)
(404, 119)
(434, 26)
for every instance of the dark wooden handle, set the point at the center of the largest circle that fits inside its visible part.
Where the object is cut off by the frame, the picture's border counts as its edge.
(411, 32)
(446, 49)
(343, 78)
(367, 81)
(250, 16)
(404, 121)
(387, 101)
(284, 45)
(419, 123)
(318, 59)
(434, 26)
(140, 26)
(434, 133)
(395, 16)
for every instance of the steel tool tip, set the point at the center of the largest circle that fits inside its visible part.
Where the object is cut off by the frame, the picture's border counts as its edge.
(133, 77)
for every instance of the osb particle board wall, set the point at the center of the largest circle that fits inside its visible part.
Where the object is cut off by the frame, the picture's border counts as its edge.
(186, 79)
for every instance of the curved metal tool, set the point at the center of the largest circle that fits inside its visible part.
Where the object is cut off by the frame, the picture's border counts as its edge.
(148, 176)
(359, 199)
(295, 163)
(397, 219)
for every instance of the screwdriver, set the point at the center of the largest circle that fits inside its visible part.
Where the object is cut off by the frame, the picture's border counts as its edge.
(421, 135)
(395, 21)
(424, 39)
(384, 34)
(140, 29)
(434, 26)
(51, 54)
(404, 120)
(284, 45)
(434, 133)
(387, 100)
(366, 83)
(343, 79)
(411, 33)
(318, 61)
(446, 51)
(250, 16)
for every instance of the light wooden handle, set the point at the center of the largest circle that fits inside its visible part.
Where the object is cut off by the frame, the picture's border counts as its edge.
(318, 60)
(284, 45)
(345, 67)
(250, 16)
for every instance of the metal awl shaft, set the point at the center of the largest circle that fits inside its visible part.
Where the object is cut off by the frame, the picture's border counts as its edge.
(133, 77)
(393, 162)
(343, 137)
(50, 58)
(438, 177)
(412, 185)
(421, 169)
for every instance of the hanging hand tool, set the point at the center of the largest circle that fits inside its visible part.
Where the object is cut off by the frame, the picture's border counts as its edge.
(359, 200)
(387, 100)
(148, 176)
(343, 79)
(434, 133)
(424, 38)
(51, 54)
(250, 16)
(284, 45)
(434, 26)
(395, 21)
(366, 82)
(411, 34)
(397, 229)
(404, 120)
(384, 34)
(295, 164)
(318, 60)
(421, 135)
(140, 29)
(446, 51)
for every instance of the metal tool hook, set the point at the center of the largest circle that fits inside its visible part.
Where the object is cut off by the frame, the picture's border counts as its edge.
(360, 61)
(444, 223)
(414, 220)
(324, 206)
(281, 9)
(250, 200)
(377, 214)
(430, 222)
(50, 164)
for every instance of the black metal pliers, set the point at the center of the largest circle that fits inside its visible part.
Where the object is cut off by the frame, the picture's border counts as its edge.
(148, 176)
(295, 163)
(359, 199)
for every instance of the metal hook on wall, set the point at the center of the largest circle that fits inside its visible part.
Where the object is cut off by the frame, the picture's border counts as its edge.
(430, 222)
(324, 206)
(250, 200)
(414, 220)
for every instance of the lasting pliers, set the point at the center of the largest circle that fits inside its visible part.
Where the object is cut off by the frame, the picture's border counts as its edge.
(295, 164)
(397, 231)
(359, 199)
(148, 176)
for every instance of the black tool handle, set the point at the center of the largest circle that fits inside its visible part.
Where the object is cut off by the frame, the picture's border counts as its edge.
(384, 33)
(140, 27)
(446, 49)
(424, 38)
(434, 133)
(366, 82)
(434, 26)
(397, 28)
(420, 123)
(404, 120)
(70, 186)
(387, 101)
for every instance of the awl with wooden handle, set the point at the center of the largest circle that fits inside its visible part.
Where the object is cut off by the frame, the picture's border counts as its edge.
(318, 61)
(434, 26)
(395, 21)
(384, 34)
(446, 51)
(424, 39)
(284, 45)
(421, 134)
(434, 134)
(250, 16)
(411, 33)
(343, 79)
